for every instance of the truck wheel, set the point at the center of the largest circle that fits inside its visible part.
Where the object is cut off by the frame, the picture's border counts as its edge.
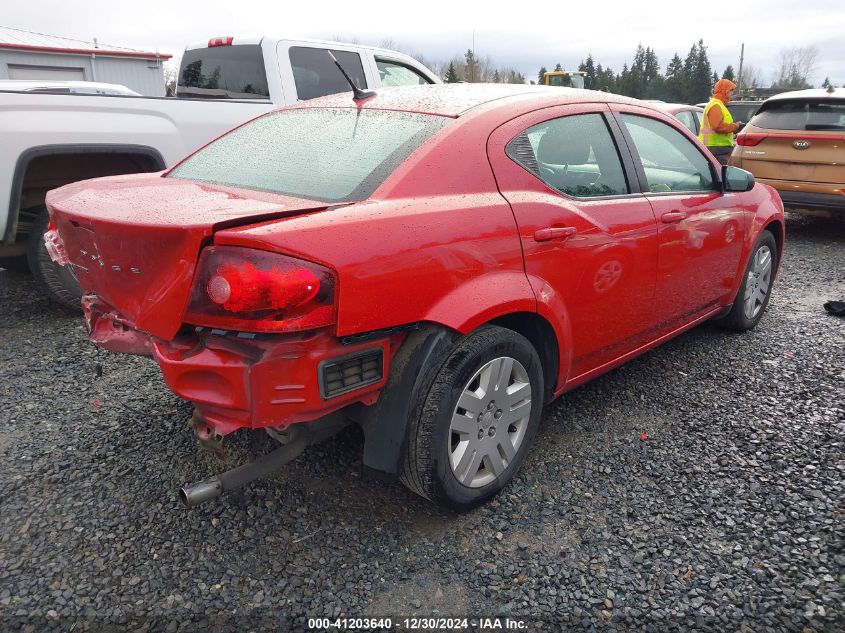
(756, 288)
(470, 432)
(58, 281)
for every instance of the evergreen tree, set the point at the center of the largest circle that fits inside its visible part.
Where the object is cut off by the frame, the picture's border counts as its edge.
(472, 67)
(623, 81)
(606, 79)
(451, 74)
(651, 72)
(698, 74)
(635, 83)
(497, 78)
(675, 85)
(826, 83)
(591, 77)
(541, 76)
(729, 73)
(558, 67)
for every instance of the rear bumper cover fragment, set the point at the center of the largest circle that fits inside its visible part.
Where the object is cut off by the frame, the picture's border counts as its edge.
(267, 381)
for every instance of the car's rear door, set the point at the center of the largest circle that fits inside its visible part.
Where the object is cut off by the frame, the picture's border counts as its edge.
(589, 238)
(701, 229)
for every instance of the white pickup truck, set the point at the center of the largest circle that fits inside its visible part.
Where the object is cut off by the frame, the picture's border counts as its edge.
(53, 139)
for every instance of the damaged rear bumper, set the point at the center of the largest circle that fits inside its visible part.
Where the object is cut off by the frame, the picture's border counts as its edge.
(252, 381)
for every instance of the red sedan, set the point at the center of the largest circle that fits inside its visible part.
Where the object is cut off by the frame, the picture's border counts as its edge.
(433, 263)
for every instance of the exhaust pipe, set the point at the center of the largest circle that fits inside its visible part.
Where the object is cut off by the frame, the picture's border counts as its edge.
(194, 494)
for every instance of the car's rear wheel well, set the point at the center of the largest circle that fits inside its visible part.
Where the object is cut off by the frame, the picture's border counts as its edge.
(45, 168)
(541, 335)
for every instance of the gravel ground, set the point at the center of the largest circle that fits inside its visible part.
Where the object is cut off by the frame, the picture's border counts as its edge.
(729, 516)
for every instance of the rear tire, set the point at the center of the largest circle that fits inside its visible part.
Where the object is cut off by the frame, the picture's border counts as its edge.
(470, 432)
(58, 281)
(756, 289)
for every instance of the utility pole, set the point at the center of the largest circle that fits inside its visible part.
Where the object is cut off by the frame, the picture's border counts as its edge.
(739, 76)
(472, 70)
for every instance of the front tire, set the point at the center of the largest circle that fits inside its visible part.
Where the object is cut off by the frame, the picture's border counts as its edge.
(58, 281)
(471, 431)
(756, 289)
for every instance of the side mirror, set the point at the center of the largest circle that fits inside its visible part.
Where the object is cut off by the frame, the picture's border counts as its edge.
(736, 179)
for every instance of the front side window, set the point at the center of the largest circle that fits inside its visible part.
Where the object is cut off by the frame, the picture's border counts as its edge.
(396, 74)
(574, 154)
(332, 155)
(316, 75)
(670, 160)
(801, 114)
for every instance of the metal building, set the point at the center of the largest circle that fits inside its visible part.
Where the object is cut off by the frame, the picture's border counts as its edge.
(28, 55)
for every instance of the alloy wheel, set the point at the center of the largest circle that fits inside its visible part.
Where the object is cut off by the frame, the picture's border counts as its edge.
(758, 281)
(489, 422)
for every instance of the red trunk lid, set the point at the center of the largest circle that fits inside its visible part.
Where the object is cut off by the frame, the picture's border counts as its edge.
(134, 240)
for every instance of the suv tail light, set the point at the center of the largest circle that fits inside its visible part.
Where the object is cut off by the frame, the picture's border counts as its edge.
(256, 291)
(749, 140)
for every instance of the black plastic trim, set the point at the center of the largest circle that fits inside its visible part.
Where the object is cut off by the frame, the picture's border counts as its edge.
(385, 424)
(814, 201)
(376, 352)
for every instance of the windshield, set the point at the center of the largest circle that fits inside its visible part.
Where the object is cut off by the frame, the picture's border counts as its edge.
(332, 155)
(223, 72)
(801, 114)
(567, 81)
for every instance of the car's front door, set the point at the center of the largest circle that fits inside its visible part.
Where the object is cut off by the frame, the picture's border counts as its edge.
(701, 229)
(589, 239)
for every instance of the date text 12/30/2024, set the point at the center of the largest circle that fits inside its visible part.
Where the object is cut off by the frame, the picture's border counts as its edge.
(417, 624)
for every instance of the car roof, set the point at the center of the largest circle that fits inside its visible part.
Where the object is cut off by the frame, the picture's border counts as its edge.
(454, 100)
(673, 108)
(811, 93)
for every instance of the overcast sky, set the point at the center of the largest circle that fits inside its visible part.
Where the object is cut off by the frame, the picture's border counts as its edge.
(523, 35)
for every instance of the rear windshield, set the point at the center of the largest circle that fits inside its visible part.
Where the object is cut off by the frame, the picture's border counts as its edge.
(801, 114)
(223, 72)
(332, 155)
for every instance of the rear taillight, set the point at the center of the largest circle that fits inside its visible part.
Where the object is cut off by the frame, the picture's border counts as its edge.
(220, 41)
(255, 291)
(749, 140)
(54, 246)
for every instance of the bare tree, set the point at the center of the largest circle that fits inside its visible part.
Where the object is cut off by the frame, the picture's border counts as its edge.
(750, 77)
(485, 70)
(345, 40)
(796, 66)
(171, 75)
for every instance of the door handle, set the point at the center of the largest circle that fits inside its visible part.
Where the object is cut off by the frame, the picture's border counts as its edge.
(554, 233)
(673, 216)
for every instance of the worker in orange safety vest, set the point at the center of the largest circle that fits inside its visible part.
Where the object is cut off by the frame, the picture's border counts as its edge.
(717, 126)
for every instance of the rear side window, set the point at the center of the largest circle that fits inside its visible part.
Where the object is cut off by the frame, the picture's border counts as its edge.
(316, 74)
(742, 111)
(223, 72)
(574, 154)
(670, 160)
(801, 114)
(332, 155)
(396, 74)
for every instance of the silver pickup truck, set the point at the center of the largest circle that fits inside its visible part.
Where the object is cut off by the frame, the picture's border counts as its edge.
(50, 140)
